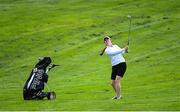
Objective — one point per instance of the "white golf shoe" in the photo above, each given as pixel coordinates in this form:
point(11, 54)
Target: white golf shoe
point(117, 97)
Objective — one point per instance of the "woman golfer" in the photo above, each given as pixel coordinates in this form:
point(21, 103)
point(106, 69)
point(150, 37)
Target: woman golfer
point(118, 64)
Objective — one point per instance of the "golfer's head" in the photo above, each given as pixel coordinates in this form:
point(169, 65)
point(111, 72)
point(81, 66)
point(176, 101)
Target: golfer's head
point(107, 40)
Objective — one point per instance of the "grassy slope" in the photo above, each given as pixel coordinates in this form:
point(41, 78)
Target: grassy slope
point(71, 33)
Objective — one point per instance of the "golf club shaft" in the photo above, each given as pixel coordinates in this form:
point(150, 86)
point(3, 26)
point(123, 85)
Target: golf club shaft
point(129, 32)
point(47, 86)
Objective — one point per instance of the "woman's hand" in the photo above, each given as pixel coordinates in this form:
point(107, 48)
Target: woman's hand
point(126, 49)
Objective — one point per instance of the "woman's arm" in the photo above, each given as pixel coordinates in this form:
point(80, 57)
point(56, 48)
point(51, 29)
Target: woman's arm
point(118, 51)
point(112, 53)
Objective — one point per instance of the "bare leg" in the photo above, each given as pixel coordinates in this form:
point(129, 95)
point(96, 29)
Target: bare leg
point(118, 86)
point(114, 85)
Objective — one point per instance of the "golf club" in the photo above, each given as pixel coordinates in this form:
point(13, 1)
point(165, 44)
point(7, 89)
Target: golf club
point(129, 16)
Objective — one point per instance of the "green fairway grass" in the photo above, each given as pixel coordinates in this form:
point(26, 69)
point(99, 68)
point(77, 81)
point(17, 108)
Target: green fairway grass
point(71, 32)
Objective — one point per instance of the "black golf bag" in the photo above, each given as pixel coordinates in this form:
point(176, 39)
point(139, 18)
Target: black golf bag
point(34, 86)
